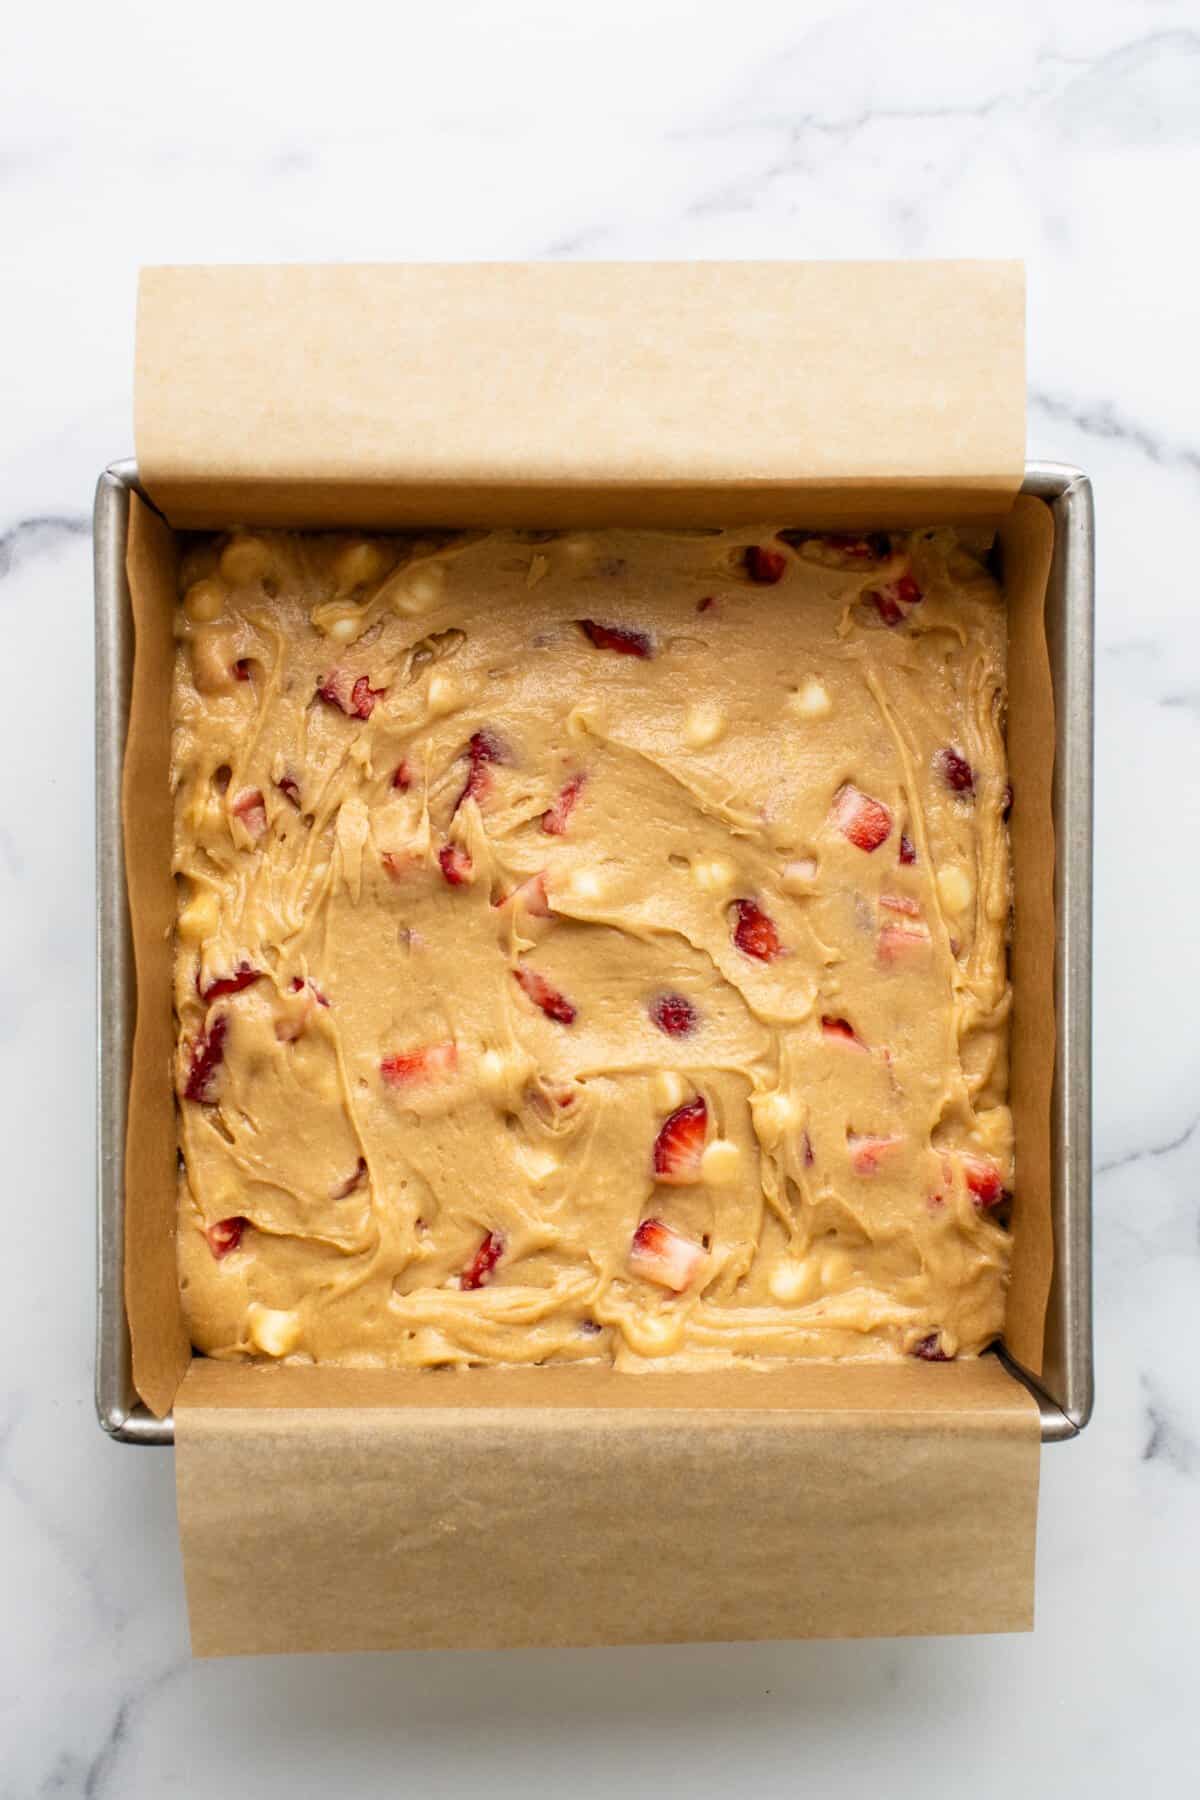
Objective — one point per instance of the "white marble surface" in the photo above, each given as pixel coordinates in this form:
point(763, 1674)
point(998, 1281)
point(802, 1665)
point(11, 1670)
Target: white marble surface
point(1070, 135)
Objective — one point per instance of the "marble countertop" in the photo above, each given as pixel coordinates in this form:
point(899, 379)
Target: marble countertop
point(1070, 136)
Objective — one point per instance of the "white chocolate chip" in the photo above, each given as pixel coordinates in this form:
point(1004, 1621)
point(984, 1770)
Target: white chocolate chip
point(720, 1162)
point(669, 1089)
point(442, 695)
point(654, 1334)
point(539, 1165)
point(836, 1268)
point(798, 875)
point(199, 918)
point(954, 888)
point(247, 559)
point(704, 724)
point(358, 564)
point(493, 1072)
point(792, 1280)
point(419, 591)
point(811, 700)
point(586, 884)
point(716, 874)
point(774, 1113)
point(273, 1332)
point(344, 630)
point(204, 601)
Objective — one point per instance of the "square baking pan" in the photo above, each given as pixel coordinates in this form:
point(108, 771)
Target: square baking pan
point(1065, 1386)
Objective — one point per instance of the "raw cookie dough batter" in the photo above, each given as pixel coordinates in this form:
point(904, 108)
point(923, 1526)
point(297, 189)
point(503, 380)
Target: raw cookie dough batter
point(591, 946)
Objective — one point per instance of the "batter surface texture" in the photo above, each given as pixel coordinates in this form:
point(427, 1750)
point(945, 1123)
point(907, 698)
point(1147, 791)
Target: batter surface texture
point(591, 945)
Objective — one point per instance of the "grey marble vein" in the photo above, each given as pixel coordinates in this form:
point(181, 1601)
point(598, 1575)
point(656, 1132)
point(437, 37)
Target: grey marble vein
point(1147, 1152)
point(45, 531)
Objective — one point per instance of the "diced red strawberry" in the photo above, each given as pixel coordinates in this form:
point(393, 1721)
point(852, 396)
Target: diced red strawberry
point(840, 549)
point(226, 1235)
point(867, 1152)
point(679, 1145)
point(243, 977)
point(356, 699)
point(456, 865)
point(352, 1181)
point(241, 668)
point(908, 852)
point(289, 787)
point(763, 564)
point(901, 903)
point(664, 1256)
point(984, 1180)
point(708, 601)
point(478, 1271)
point(298, 982)
point(955, 771)
point(251, 809)
point(399, 864)
point(531, 895)
point(483, 749)
point(864, 821)
point(930, 1349)
point(840, 1031)
point(428, 1062)
point(208, 1053)
point(620, 638)
point(674, 1014)
point(554, 819)
point(555, 1005)
point(402, 779)
point(893, 598)
point(902, 943)
point(754, 931)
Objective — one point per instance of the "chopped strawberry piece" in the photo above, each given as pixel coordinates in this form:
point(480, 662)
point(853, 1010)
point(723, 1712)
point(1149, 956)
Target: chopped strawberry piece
point(902, 943)
point(901, 903)
point(840, 1031)
point(708, 601)
point(226, 1235)
point(428, 1062)
point(679, 1145)
point(841, 548)
point(289, 787)
point(955, 771)
point(893, 597)
point(241, 668)
point(864, 821)
point(555, 1005)
point(208, 1053)
point(251, 809)
point(531, 895)
point(297, 983)
point(930, 1349)
point(456, 865)
point(483, 749)
point(402, 779)
point(554, 819)
point(352, 1181)
point(243, 977)
point(398, 864)
point(674, 1014)
point(754, 931)
point(617, 637)
point(867, 1152)
point(908, 851)
point(478, 1271)
point(357, 700)
point(984, 1180)
point(764, 565)
point(664, 1256)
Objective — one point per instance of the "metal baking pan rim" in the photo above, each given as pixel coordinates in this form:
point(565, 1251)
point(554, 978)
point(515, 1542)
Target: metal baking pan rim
point(1064, 1391)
